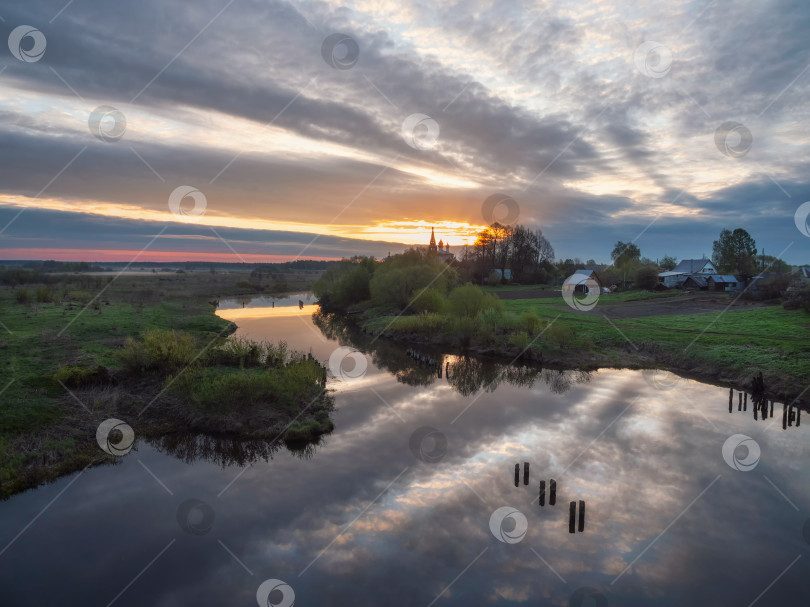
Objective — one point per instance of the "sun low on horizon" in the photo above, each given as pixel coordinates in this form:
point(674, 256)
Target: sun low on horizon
point(357, 136)
point(404, 303)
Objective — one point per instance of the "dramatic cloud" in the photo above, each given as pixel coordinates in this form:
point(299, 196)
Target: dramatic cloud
point(600, 120)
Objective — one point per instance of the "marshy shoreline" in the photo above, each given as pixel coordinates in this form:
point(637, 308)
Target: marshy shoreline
point(152, 353)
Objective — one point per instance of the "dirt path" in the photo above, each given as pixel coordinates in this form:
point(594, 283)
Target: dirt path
point(665, 306)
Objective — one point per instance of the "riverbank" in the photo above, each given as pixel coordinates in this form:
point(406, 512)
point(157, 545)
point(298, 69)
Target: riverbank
point(150, 351)
point(700, 337)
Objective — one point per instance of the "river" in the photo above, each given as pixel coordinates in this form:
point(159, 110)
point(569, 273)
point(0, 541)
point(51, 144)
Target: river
point(412, 499)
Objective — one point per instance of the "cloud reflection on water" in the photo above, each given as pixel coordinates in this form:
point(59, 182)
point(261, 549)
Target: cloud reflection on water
point(637, 456)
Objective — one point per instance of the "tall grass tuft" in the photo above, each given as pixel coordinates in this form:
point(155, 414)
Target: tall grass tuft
point(246, 353)
point(158, 350)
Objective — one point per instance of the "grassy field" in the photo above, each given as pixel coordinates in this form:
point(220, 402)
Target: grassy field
point(76, 330)
point(727, 347)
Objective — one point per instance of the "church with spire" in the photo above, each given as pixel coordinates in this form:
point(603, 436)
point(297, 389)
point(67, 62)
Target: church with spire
point(442, 250)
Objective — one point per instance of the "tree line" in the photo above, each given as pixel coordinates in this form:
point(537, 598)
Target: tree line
point(526, 252)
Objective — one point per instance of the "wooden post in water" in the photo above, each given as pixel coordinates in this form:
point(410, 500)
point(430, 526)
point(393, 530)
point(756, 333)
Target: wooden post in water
point(745, 401)
point(542, 498)
point(517, 475)
point(552, 498)
point(730, 398)
point(581, 516)
point(525, 473)
point(572, 515)
point(739, 401)
point(784, 416)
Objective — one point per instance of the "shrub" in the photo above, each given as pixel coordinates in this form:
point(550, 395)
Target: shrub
point(647, 277)
point(44, 295)
point(158, 349)
point(559, 334)
point(532, 322)
point(222, 391)
point(399, 277)
point(79, 376)
point(428, 300)
point(423, 324)
point(469, 300)
point(488, 322)
point(345, 283)
point(520, 340)
point(22, 296)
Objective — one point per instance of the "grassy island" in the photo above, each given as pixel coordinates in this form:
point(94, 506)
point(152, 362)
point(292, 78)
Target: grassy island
point(78, 349)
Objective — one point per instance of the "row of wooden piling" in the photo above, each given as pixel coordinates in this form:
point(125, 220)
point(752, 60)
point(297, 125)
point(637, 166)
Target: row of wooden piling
point(572, 517)
point(763, 408)
point(576, 517)
point(428, 361)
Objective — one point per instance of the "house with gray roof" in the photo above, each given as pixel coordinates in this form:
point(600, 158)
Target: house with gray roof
point(696, 266)
point(676, 278)
point(722, 282)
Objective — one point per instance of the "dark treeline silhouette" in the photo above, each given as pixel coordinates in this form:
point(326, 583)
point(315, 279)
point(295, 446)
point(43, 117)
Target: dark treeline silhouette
point(227, 451)
point(526, 252)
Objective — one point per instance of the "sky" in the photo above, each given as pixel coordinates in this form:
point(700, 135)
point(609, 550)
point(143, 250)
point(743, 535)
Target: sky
point(260, 130)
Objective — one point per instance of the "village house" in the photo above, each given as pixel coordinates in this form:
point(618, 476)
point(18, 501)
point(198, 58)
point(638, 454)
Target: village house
point(698, 270)
point(722, 282)
point(580, 279)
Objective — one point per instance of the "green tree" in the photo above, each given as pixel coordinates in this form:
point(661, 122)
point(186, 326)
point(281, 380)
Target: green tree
point(667, 263)
point(735, 253)
point(401, 277)
point(769, 263)
point(345, 283)
point(625, 254)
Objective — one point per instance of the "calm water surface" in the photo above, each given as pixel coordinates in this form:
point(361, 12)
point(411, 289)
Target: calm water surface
point(368, 518)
